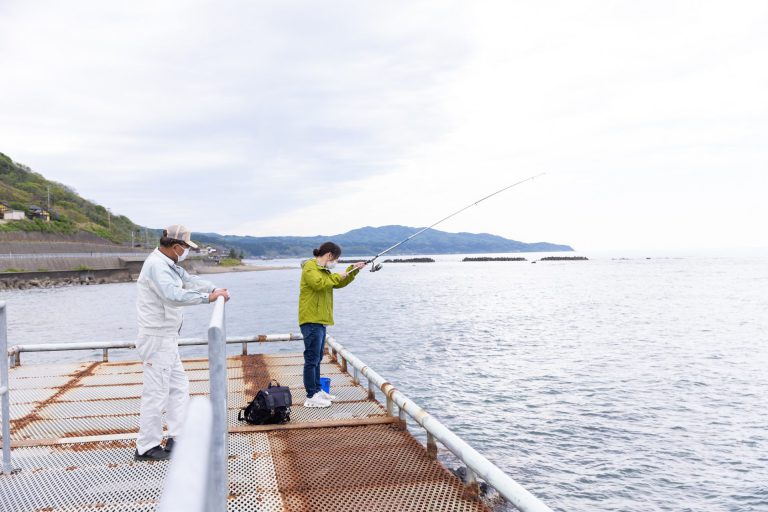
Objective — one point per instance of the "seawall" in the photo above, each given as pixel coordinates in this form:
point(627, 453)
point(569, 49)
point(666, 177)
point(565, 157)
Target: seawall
point(76, 261)
point(21, 242)
point(76, 269)
point(27, 280)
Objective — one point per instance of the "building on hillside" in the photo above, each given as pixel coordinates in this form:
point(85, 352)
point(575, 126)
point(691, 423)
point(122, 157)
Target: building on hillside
point(9, 214)
point(3, 208)
point(35, 212)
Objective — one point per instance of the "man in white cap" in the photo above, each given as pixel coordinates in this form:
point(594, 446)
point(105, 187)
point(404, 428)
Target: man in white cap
point(164, 287)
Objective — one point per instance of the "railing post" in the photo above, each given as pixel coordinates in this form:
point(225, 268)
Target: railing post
point(105, 356)
point(5, 398)
point(371, 390)
point(355, 376)
point(431, 445)
point(470, 483)
point(218, 487)
point(245, 348)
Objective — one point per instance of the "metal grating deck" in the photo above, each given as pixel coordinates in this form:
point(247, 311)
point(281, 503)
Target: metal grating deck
point(73, 427)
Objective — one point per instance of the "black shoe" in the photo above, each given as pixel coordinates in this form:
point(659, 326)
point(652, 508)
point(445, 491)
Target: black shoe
point(156, 453)
point(169, 444)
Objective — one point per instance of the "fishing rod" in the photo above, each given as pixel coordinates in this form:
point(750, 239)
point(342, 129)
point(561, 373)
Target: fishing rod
point(377, 266)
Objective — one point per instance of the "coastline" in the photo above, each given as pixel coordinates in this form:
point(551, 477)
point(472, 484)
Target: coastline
point(24, 280)
point(206, 269)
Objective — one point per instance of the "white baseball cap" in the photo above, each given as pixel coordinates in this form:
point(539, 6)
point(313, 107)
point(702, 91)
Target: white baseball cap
point(181, 233)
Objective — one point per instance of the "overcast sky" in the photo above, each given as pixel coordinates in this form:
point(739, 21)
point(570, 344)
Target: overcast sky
point(301, 118)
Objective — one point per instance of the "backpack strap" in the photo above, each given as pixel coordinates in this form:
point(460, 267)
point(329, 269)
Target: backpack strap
point(270, 400)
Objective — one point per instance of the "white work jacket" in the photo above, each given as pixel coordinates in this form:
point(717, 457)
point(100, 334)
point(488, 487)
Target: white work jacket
point(164, 288)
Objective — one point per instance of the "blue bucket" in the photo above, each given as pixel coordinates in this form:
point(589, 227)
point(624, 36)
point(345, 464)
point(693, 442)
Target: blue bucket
point(325, 384)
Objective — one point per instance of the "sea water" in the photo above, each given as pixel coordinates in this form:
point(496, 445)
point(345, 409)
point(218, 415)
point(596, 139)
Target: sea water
point(618, 383)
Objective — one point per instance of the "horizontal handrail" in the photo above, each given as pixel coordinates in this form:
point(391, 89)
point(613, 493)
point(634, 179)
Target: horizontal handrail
point(482, 467)
point(95, 345)
point(15, 351)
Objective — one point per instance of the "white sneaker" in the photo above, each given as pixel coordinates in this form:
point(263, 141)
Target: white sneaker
point(317, 401)
point(327, 396)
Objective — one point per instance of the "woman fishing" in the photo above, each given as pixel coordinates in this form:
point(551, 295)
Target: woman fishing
point(316, 312)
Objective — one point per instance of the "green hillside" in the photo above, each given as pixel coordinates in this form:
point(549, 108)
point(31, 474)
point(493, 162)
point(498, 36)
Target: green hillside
point(22, 188)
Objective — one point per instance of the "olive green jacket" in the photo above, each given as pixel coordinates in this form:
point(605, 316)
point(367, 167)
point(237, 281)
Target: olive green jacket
point(316, 292)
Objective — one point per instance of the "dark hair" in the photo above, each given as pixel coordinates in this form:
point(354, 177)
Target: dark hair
point(328, 247)
point(166, 241)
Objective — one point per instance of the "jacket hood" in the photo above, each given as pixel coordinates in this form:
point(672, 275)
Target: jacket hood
point(314, 262)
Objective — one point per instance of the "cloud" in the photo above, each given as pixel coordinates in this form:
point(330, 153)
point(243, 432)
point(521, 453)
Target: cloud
point(294, 118)
point(264, 100)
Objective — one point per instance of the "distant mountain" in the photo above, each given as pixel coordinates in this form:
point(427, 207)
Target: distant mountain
point(23, 189)
point(370, 241)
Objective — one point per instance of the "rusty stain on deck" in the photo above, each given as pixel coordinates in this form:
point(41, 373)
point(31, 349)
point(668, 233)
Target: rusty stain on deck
point(24, 421)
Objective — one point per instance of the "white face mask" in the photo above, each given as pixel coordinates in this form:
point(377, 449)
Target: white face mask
point(330, 264)
point(183, 255)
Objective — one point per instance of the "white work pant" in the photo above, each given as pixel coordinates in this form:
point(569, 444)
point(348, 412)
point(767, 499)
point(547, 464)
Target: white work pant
point(166, 389)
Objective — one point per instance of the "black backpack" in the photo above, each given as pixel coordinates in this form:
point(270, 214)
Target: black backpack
point(271, 406)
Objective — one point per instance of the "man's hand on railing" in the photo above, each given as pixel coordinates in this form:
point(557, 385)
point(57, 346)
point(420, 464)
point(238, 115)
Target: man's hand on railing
point(218, 292)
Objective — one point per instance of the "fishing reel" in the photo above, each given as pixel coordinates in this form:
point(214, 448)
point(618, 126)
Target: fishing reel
point(375, 267)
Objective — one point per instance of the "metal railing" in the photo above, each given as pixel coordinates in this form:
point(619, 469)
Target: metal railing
point(476, 464)
point(197, 479)
point(186, 484)
point(217, 486)
point(15, 351)
point(215, 439)
point(7, 466)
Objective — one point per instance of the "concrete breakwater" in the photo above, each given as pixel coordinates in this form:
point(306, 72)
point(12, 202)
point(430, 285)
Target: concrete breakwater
point(21, 272)
point(410, 260)
point(503, 258)
point(71, 261)
point(564, 258)
point(121, 269)
point(53, 279)
point(396, 260)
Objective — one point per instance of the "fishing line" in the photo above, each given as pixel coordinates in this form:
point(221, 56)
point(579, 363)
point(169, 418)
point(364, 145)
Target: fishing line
point(377, 266)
